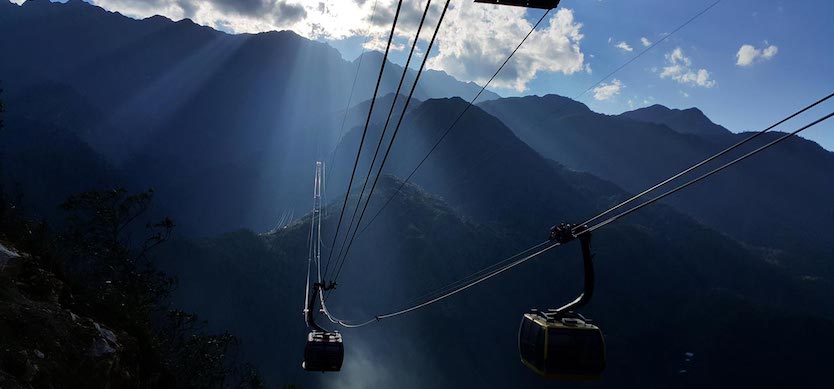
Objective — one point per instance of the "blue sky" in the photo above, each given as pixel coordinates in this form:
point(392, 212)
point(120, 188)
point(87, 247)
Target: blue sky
point(791, 42)
point(742, 98)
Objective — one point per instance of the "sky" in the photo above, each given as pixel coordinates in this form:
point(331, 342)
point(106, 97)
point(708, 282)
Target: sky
point(745, 63)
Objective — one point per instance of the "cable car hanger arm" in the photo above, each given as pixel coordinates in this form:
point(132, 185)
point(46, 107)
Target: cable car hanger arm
point(311, 319)
point(564, 233)
point(541, 4)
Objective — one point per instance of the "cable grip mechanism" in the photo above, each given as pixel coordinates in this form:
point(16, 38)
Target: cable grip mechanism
point(566, 232)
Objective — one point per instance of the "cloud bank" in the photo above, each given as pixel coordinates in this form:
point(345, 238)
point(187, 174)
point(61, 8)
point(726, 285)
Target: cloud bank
point(472, 43)
point(476, 39)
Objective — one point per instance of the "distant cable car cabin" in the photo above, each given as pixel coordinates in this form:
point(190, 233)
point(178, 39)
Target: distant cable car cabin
point(560, 343)
point(542, 4)
point(325, 350)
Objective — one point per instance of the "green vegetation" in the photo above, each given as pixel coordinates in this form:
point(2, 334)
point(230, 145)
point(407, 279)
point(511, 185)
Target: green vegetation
point(87, 278)
point(84, 306)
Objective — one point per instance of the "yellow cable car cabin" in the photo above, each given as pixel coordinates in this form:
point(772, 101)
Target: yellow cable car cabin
point(542, 4)
point(561, 343)
point(562, 347)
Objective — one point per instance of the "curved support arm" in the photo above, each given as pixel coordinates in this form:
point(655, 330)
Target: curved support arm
point(587, 259)
point(311, 319)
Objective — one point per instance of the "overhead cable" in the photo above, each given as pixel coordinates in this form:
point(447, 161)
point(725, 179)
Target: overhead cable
point(364, 132)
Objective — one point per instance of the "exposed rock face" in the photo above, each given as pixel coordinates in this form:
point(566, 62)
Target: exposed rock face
point(47, 345)
point(5, 255)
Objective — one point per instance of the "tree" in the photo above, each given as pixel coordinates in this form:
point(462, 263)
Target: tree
point(199, 360)
point(112, 271)
point(124, 285)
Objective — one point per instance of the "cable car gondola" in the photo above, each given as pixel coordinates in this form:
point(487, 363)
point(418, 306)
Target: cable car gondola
point(542, 4)
point(325, 350)
point(560, 343)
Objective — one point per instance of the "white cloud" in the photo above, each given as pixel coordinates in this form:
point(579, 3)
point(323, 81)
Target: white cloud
point(770, 52)
point(624, 46)
point(606, 91)
point(470, 48)
point(749, 54)
point(645, 41)
point(746, 54)
point(679, 68)
point(473, 41)
point(378, 43)
point(324, 20)
point(315, 20)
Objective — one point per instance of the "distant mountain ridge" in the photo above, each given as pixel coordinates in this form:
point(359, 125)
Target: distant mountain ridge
point(759, 201)
point(688, 121)
point(77, 13)
point(153, 94)
point(433, 83)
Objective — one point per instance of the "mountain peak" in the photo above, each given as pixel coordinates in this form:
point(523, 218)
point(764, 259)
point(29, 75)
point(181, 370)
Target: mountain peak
point(686, 121)
point(694, 110)
point(440, 83)
point(372, 55)
point(565, 100)
point(48, 3)
point(656, 108)
point(547, 107)
point(36, 3)
point(77, 3)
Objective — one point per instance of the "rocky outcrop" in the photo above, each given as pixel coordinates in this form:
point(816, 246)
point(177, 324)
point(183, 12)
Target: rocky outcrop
point(44, 344)
point(5, 255)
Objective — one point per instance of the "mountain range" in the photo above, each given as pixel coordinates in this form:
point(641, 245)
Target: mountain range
point(782, 188)
point(160, 93)
point(719, 286)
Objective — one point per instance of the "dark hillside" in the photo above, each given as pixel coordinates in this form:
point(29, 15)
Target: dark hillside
point(153, 94)
point(654, 286)
point(481, 169)
point(40, 162)
point(81, 306)
point(782, 188)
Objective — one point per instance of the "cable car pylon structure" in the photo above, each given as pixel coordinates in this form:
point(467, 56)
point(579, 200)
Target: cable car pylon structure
point(324, 350)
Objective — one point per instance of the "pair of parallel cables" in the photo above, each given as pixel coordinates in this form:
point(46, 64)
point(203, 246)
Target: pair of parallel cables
point(543, 247)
